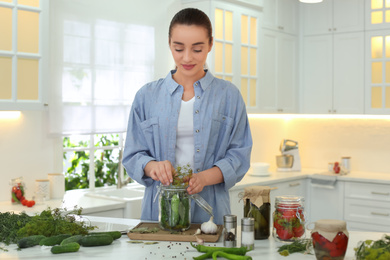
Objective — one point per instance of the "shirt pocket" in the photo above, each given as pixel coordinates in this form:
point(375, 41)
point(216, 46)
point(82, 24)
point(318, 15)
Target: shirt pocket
point(221, 129)
point(150, 130)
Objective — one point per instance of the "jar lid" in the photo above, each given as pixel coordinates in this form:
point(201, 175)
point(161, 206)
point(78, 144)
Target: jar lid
point(230, 218)
point(202, 203)
point(247, 221)
point(289, 201)
point(330, 225)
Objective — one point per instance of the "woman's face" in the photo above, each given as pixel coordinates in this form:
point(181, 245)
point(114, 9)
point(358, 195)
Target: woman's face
point(189, 45)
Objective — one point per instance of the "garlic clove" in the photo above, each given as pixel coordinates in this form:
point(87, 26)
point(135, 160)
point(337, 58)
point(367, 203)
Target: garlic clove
point(199, 241)
point(198, 232)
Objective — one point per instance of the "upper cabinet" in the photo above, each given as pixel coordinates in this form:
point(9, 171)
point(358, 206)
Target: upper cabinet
point(23, 54)
point(377, 14)
point(281, 15)
point(333, 16)
point(235, 55)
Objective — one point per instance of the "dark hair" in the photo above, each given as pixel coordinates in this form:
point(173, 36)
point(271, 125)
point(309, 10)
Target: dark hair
point(192, 16)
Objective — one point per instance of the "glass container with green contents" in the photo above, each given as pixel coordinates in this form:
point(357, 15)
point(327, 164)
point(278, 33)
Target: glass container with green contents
point(257, 205)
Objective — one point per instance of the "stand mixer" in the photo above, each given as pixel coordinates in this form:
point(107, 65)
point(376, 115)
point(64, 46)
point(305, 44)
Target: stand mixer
point(290, 159)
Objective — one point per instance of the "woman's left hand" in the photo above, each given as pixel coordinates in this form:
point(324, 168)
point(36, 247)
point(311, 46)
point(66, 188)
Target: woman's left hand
point(197, 183)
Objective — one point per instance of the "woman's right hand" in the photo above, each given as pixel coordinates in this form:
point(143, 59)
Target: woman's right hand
point(160, 171)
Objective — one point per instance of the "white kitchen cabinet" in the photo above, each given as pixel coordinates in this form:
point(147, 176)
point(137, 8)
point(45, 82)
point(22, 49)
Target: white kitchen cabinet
point(333, 16)
point(367, 206)
point(278, 67)
point(333, 74)
point(115, 213)
point(377, 14)
point(281, 15)
point(235, 54)
point(326, 201)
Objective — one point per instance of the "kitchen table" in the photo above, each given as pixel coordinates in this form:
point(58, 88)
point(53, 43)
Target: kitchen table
point(121, 249)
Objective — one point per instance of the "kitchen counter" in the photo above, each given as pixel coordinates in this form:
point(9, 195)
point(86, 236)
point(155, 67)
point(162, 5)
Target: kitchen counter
point(121, 249)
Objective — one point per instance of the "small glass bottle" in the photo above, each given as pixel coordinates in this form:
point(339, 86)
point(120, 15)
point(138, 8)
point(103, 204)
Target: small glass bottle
point(330, 239)
point(229, 230)
point(247, 233)
point(17, 190)
point(289, 218)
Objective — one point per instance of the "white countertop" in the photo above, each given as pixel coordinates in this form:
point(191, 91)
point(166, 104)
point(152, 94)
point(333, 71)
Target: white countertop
point(120, 249)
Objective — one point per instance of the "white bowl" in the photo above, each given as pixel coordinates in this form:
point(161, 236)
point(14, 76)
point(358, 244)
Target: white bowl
point(260, 167)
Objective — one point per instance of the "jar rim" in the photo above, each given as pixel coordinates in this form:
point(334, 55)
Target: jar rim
point(330, 225)
point(289, 201)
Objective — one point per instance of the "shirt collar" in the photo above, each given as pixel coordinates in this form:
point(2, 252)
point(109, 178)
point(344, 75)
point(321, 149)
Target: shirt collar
point(172, 85)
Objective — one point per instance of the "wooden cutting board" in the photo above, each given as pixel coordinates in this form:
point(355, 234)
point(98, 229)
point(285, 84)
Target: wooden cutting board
point(163, 235)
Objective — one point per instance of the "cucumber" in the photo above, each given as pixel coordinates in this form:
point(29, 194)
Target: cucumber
point(75, 238)
point(114, 234)
point(175, 202)
point(96, 240)
point(70, 247)
point(54, 240)
point(30, 241)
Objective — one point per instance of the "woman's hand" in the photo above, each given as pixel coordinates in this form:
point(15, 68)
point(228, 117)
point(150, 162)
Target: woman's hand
point(160, 171)
point(197, 183)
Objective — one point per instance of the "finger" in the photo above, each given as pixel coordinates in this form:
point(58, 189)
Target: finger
point(162, 174)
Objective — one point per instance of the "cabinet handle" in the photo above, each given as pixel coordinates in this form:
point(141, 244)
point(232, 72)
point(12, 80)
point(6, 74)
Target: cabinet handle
point(280, 110)
point(330, 111)
point(380, 214)
point(334, 111)
point(334, 29)
point(294, 184)
point(380, 193)
point(330, 29)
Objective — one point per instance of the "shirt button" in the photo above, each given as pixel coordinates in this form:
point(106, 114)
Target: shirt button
point(197, 111)
point(197, 150)
point(196, 84)
point(198, 97)
point(223, 118)
point(198, 170)
point(197, 130)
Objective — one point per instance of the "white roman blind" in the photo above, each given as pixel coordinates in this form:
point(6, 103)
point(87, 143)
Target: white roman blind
point(100, 58)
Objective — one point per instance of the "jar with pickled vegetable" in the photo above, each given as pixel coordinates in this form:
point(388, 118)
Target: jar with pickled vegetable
point(257, 206)
point(174, 208)
point(330, 239)
point(17, 190)
point(289, 218)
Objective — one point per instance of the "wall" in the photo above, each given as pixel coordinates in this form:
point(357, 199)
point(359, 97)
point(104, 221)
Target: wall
point(321, 141)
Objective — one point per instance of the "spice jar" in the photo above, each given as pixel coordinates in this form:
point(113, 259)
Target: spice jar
point(330, 239)
point(257, 205)
point(174, 208)
point(17, 190)
point(247, 233)
point(229, 230)
point(288, 218)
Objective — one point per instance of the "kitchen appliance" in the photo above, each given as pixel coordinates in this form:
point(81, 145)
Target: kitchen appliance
point(289, 160)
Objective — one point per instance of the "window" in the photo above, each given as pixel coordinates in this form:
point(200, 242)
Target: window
point(21, 54)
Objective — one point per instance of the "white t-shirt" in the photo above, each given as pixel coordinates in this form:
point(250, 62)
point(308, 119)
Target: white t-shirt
point(185, 134)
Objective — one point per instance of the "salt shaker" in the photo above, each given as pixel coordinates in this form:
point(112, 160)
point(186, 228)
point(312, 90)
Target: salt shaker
point(248, 233)
point(229, 230)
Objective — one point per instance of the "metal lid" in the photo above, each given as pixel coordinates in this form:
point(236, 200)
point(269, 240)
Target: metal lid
point(247, 221)
point(230, 218)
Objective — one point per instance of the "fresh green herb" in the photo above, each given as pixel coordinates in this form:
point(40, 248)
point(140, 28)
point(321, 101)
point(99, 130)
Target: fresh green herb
point(369, 249)
point(297, 246)
point(10, 223)
point(3, 249)
point(55, 222)
point(182, 175)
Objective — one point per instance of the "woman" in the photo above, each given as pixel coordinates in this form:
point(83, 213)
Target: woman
point(189, 117)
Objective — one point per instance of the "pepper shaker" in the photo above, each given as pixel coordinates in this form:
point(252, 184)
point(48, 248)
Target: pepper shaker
point(247, 233)
point(229, 230)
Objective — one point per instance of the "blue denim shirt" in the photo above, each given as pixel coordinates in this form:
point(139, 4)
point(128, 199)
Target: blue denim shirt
point(222, 138)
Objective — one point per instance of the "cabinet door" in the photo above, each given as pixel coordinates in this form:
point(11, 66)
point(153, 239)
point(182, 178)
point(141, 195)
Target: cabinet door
point(348, 15)
point(287, 73)
point(297, 188)
point(317, 18)
point(348, 73)
point(377, 14)
point(317, 74)
point(281, 15)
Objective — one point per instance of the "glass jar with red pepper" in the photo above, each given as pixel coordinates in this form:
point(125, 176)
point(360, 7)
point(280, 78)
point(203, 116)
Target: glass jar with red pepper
point(17, 190)
point(330, 239)
point(289, 218)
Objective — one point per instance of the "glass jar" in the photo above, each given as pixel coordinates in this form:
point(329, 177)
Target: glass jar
point(288, 218)
point(247, 233)
point(229, 230)
point(17, 190)
point(262, 217)
point(330, 239)
point(174, 208)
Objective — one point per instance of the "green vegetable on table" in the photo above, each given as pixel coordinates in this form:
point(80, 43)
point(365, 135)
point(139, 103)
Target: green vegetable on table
point(30, 241)
point(297, 246)
point(75, 238)
point(54, 240)
point(10, 224)
point(209, 250)
point(96, 240)
point(369, 249)
point(68, 248)
point(230, 256)
point(114, 234)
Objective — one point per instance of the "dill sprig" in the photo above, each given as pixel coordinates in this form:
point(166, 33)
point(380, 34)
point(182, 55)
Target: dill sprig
point(10, 223)
point(297, 246)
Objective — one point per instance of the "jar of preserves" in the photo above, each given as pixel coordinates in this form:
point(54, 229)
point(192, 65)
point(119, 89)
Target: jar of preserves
point(289, 218)
point(330, 239)
point(17, 190)
point(174, 208)
point(257, 206)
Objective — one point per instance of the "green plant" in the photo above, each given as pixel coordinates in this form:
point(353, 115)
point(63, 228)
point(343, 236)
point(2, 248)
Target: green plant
point(106, 162)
